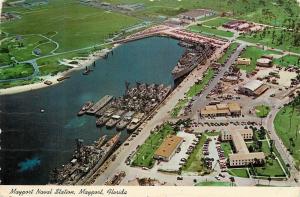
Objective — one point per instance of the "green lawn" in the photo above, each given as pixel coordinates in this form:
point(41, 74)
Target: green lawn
point(213, 133)
point(226, 147)
point(253, 53)
point(16, 71)
point(280, 39)
point(144, 155)
point(286, 124)
point(211, 183)
point(210, 31)
point(288, 60)
point(193, 91)
point(4, 85)
point(21, 50)
point(198, 87)
point(77, 25)
point(194, 162)
point(178, 107)
point(262, 111)
point(46, 48)
point(53, 69)
point(272, 167)
point(229, 51)
point(217, 22)
point(239, 172)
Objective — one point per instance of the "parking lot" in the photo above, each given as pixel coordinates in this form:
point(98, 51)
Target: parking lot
point(179, 158)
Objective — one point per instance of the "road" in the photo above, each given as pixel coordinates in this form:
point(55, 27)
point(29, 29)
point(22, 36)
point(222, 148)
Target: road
point(201, 100)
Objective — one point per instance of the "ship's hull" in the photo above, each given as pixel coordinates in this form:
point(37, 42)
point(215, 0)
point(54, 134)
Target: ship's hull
point(182, 72)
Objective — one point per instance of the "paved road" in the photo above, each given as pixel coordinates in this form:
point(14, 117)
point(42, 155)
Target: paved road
point(201, 101)
point(285, 155)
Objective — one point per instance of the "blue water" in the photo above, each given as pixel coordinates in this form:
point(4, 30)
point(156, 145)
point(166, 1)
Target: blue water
point(33, 143)
point(29, 164)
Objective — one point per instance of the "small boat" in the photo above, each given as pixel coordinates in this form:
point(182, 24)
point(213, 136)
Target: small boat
point(125, 121)
point(135, 122)
point(63, 78)
point(87, 71)
point(85, 107)
point(106, 116)
point(115, 119)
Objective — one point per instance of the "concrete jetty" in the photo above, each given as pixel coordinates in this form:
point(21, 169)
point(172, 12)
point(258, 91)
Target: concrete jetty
point(100, 104)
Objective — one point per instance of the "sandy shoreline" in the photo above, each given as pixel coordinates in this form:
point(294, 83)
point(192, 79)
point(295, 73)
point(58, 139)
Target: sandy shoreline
point(82, 63)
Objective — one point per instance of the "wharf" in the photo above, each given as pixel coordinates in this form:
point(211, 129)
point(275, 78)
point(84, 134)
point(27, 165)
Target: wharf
point(100, 104)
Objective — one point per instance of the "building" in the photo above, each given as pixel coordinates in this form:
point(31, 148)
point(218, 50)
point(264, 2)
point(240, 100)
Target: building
point(243, 61)
point(264, 62)
point(222, 109)
point(245, 133)
point(253, 88)
point(242, 156)
point(197, 14)
point(167, 149)
point(245, 159)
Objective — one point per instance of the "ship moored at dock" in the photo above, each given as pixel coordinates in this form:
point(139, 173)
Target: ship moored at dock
point(115, 118)
point(100, 104)
point(86, 160)
point(140, 100)
point(135, 122)
point(125, 120)
point(195, 54)
point(85, 107)
point(106, 116)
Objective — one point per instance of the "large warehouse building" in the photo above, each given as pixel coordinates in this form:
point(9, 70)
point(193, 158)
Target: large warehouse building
point(168, 147)
point(253, 88)
point(197, 14)
point(229, 109)
point(242, 156)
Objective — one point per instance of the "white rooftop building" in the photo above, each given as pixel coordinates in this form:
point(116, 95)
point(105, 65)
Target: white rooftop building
point(253, 88)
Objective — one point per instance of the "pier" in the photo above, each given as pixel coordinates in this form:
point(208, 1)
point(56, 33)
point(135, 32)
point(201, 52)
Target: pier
point(100, 104)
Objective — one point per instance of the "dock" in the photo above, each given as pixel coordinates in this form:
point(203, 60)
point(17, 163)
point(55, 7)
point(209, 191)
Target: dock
point(100, 104)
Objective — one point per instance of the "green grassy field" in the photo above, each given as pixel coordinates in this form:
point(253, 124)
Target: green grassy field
point(275, 13)
point(287, 127)
point(21, 49)
point(217, 22)
point(239, 172)
point(262, 111)
point(16, 71)
point(198, 87)
point(228, 52)
point(254, 10)
point(226, 147)
point(193, 91)
point(178, 107)
point(194, 162)
point(211, 183)
point(4, 85)
point(288, 60)
point(46, 48)
point(253, 53)
point(272, 167)
point(144, 155)
point(77, 26)
point(210, 31)
point(276, 38)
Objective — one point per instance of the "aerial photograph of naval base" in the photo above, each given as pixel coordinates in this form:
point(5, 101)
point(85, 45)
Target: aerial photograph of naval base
point(150, 92)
